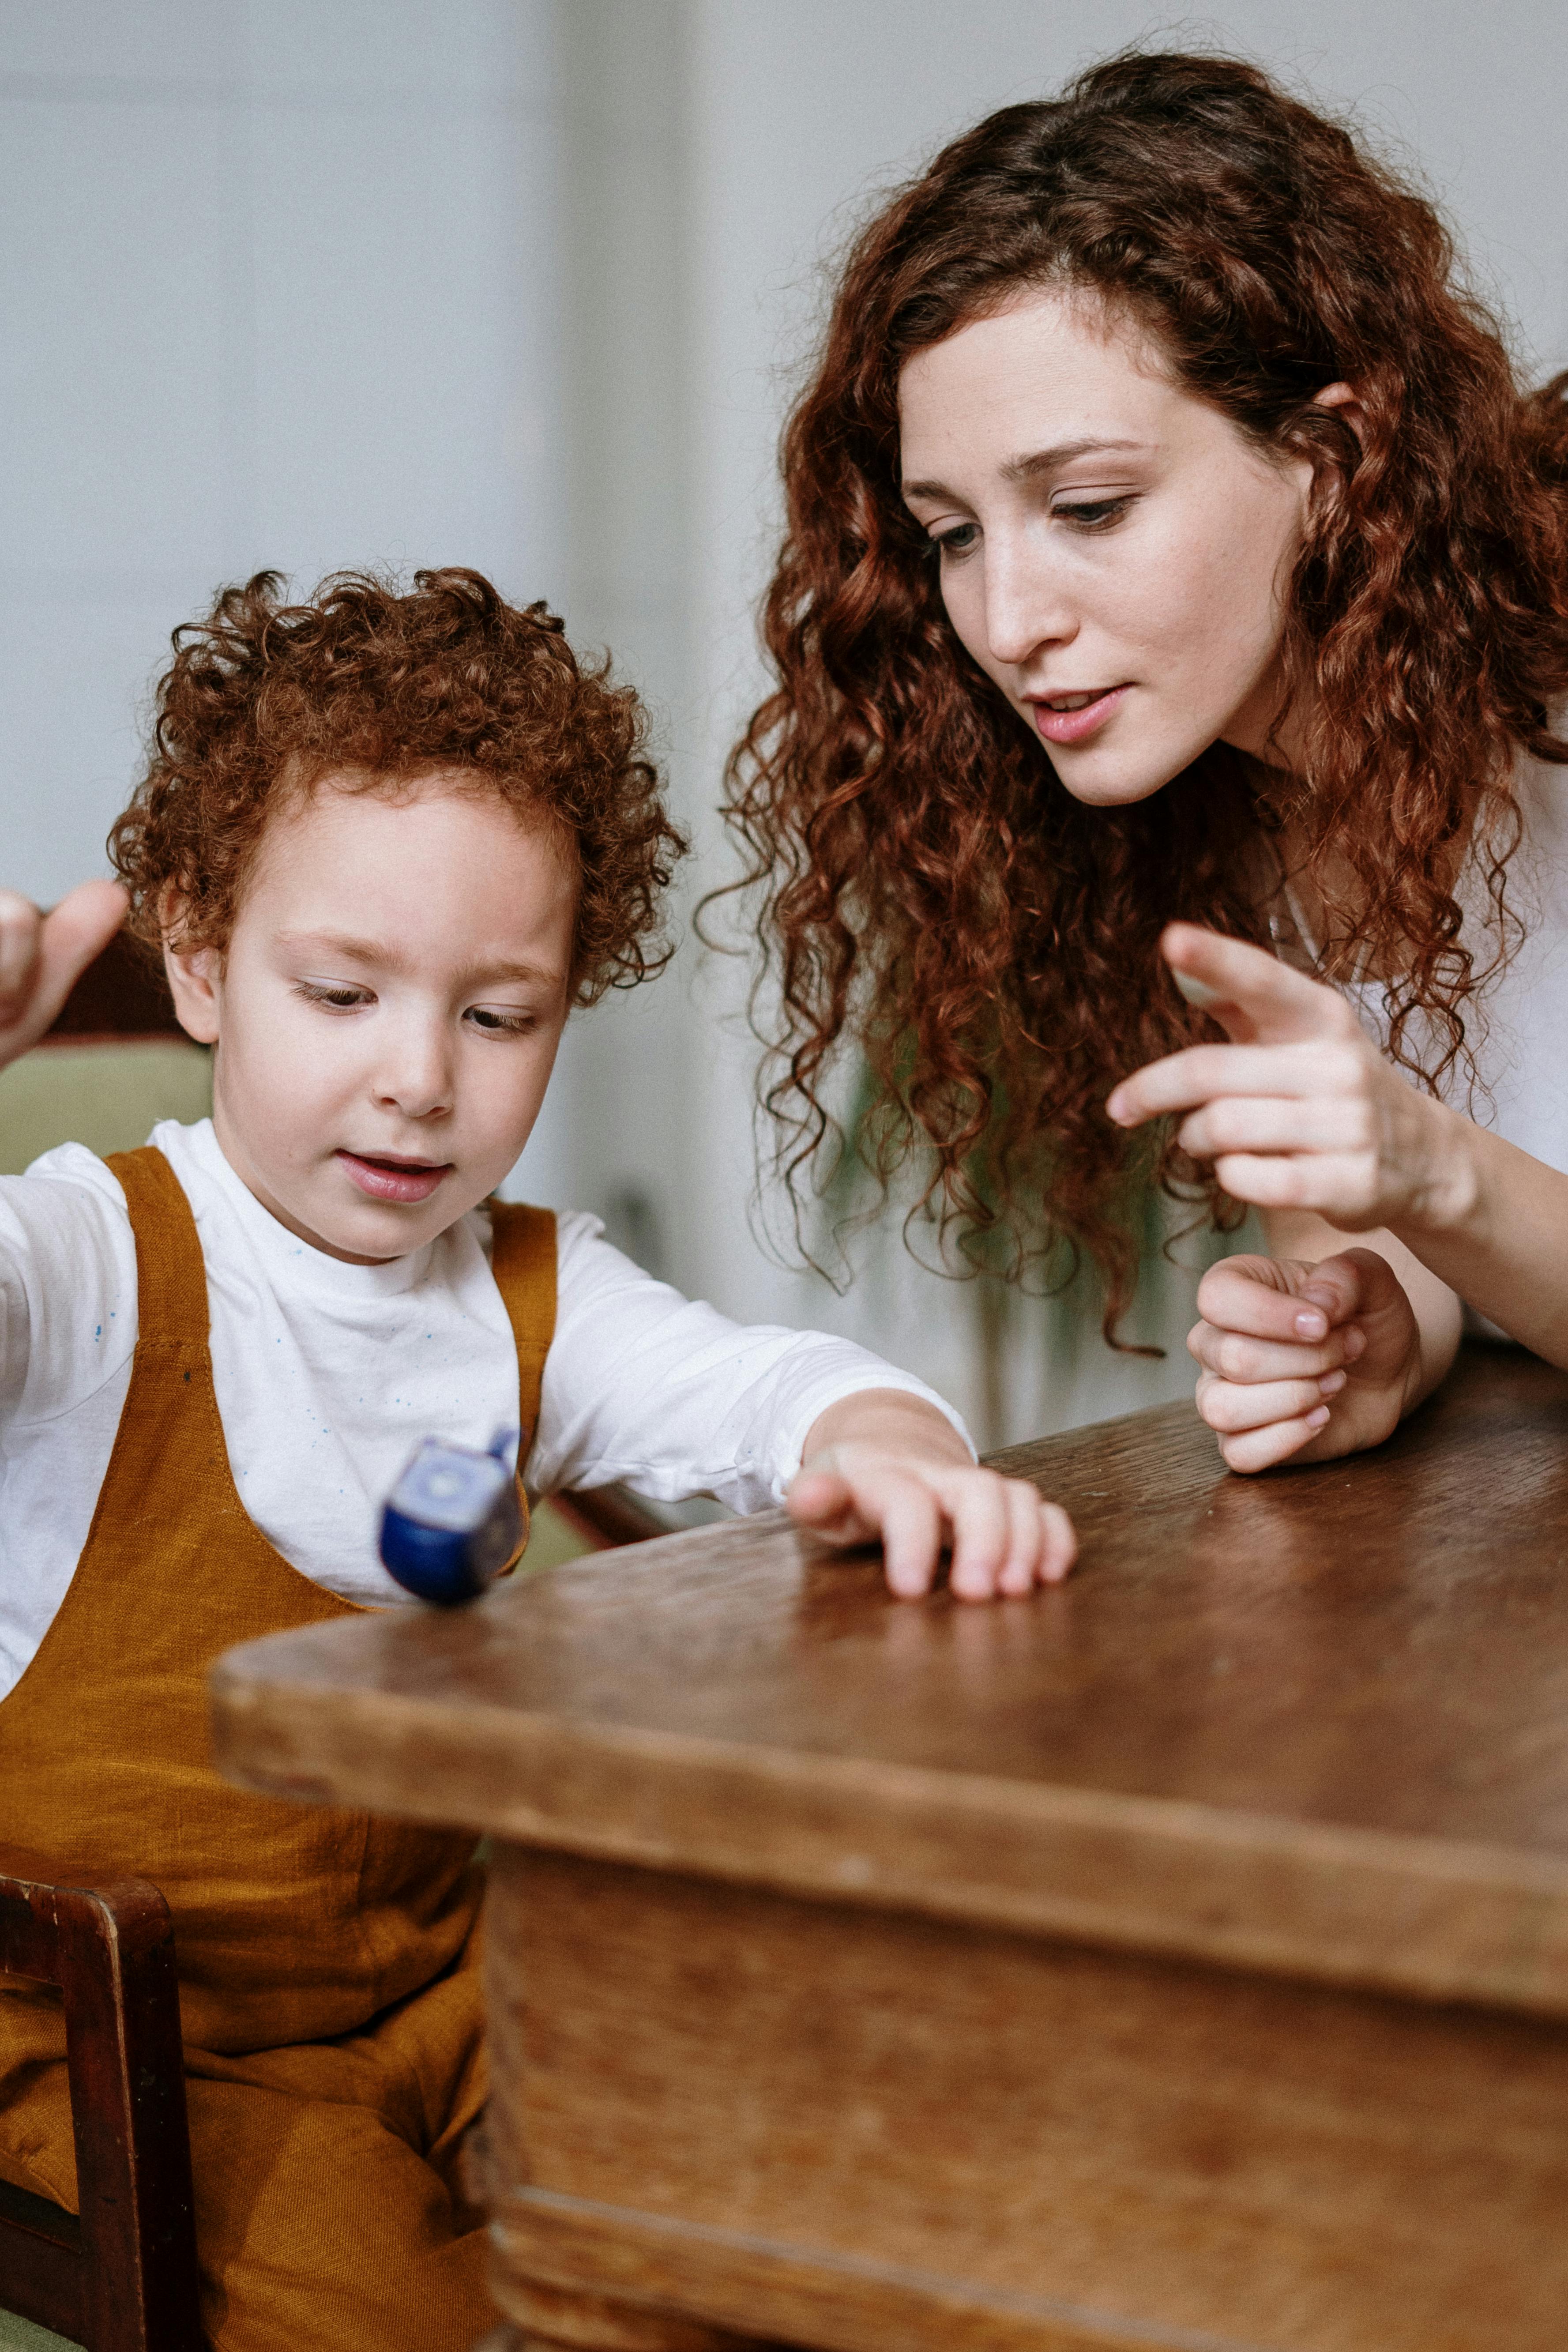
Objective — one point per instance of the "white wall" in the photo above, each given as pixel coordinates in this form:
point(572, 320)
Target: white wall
point(279, 284)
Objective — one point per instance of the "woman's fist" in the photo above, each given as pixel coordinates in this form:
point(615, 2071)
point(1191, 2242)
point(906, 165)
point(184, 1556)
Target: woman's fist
point(1304, 1362)
point(43, 956)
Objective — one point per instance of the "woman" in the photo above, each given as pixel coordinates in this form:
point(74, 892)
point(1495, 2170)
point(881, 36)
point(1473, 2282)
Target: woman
point(1168, 537)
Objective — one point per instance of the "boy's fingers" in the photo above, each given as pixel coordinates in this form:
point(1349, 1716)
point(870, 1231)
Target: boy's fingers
point(909, 1517)
point(822, 1501)
point(982, 1534)
point(1230, 1410)
point(21, 926)
point(1060, 1543)
point(1248, 988)
point(1025, 1539)
point(42, 957)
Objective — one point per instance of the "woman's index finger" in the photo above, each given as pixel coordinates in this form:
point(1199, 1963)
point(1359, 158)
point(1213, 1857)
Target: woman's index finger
point(1277, 1003)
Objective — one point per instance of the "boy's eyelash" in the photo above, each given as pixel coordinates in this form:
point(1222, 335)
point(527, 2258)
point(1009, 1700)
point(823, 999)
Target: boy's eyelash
point(500, 1024)
point(484, 1018)
point(341, 1000)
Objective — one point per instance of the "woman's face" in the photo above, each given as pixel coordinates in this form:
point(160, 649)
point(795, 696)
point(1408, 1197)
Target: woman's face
point(1113, 552)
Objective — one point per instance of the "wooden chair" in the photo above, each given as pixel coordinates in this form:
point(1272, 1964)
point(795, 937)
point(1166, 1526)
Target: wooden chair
point(123, 2277)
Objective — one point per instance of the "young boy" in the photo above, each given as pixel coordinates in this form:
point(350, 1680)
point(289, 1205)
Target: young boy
point(386, 842)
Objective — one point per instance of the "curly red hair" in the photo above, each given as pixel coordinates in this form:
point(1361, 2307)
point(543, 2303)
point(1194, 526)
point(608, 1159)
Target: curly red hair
point(266, 699)
point(990, 942)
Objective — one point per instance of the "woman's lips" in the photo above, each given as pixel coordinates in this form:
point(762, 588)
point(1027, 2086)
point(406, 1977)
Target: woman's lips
point(1072, 726)
point(390, 1180)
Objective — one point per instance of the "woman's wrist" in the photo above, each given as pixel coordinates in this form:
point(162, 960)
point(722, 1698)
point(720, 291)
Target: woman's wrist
point(1448, 1201)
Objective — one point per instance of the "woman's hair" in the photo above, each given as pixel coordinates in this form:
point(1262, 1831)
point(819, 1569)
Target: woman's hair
point(931, 891)
point(264, 701)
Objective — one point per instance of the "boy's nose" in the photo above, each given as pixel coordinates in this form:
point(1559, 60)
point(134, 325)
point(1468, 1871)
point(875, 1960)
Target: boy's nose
point(416, 1080)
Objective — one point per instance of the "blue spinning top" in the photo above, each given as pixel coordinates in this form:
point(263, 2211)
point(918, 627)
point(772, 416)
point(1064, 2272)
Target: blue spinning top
point(452, 1521)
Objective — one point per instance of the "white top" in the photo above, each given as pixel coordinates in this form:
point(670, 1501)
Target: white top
point(1517, 1026)
point(327, 1375)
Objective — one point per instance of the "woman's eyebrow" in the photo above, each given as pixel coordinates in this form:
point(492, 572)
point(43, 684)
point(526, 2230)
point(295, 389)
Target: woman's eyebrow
point(1047, 461)
point(1029, 468)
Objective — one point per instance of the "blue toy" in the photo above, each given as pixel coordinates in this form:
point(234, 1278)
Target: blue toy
point(452, 1521)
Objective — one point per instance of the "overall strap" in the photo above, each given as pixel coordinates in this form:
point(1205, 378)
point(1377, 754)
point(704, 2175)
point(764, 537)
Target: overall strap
point(522, 1259)
point(171, 1274)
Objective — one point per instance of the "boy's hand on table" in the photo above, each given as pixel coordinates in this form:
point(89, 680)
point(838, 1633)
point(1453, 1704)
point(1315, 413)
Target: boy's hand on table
point(886, 1464)
point(43, 956)
point(1304, 1362)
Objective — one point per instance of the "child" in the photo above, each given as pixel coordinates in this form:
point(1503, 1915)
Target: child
point(1322, 1349)
point(386, 841)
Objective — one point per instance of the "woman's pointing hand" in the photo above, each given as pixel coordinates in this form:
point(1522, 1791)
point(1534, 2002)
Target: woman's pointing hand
point(1301, 1111)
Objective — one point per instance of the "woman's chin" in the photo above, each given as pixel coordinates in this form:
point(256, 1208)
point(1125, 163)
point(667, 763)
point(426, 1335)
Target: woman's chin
point(1100, 780)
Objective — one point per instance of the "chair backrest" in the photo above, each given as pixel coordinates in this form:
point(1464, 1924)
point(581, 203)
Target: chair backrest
point(121, 2276)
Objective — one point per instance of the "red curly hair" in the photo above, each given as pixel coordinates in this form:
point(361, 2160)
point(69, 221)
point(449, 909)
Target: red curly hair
point(264, 699)
point(929, 889)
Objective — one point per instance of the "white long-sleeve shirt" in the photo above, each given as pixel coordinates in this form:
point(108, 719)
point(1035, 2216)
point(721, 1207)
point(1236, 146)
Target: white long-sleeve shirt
point(327, 1375)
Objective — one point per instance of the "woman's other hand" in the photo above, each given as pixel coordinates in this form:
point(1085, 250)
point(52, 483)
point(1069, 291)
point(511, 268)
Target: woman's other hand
point(885, 1465)
point(1304, 1362)
point(43, 956)
point(1301, 1111)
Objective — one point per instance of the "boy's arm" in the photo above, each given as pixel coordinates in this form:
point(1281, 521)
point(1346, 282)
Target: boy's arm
point(665, 1393)
point(884, 1463)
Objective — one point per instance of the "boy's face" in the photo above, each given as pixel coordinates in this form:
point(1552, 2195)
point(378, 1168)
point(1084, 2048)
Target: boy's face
point(387, 1010)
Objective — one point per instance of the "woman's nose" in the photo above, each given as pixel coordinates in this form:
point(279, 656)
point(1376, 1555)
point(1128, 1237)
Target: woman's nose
point(1026, 611)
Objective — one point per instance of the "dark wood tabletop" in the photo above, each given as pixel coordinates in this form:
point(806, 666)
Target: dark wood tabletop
point(1315, 1722)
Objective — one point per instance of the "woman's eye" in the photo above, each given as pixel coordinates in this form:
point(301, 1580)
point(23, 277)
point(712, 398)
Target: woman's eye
point(1092, 514)
point(961, 540)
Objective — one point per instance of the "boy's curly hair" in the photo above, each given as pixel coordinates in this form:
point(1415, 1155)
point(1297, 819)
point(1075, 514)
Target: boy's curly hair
point(264, 697)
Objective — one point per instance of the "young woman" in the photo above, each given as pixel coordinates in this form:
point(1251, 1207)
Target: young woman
point(1168, 537)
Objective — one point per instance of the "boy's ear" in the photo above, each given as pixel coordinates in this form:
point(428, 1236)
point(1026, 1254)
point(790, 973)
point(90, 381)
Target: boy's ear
point(194, 976)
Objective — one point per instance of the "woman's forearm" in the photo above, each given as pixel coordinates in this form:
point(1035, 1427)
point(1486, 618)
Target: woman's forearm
point(1498, 1236)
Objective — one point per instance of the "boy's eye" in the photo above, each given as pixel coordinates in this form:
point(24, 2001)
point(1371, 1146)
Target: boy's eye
point(496, 1021)
point(339, 996)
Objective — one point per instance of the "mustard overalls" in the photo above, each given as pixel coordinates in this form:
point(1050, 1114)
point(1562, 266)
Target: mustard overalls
point(328, 1960)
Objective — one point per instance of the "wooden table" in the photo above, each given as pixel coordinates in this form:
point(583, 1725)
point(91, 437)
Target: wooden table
point(1179, 1958)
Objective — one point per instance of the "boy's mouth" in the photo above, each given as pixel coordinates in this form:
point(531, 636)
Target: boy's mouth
point(386, 1178)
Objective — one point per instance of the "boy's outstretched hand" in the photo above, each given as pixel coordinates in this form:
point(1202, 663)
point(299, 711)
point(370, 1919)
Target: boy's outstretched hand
point(43, 956)
point(886, 1464)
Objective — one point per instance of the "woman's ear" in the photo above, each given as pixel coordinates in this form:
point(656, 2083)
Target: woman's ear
point(1347, 403)
point(195, 974)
